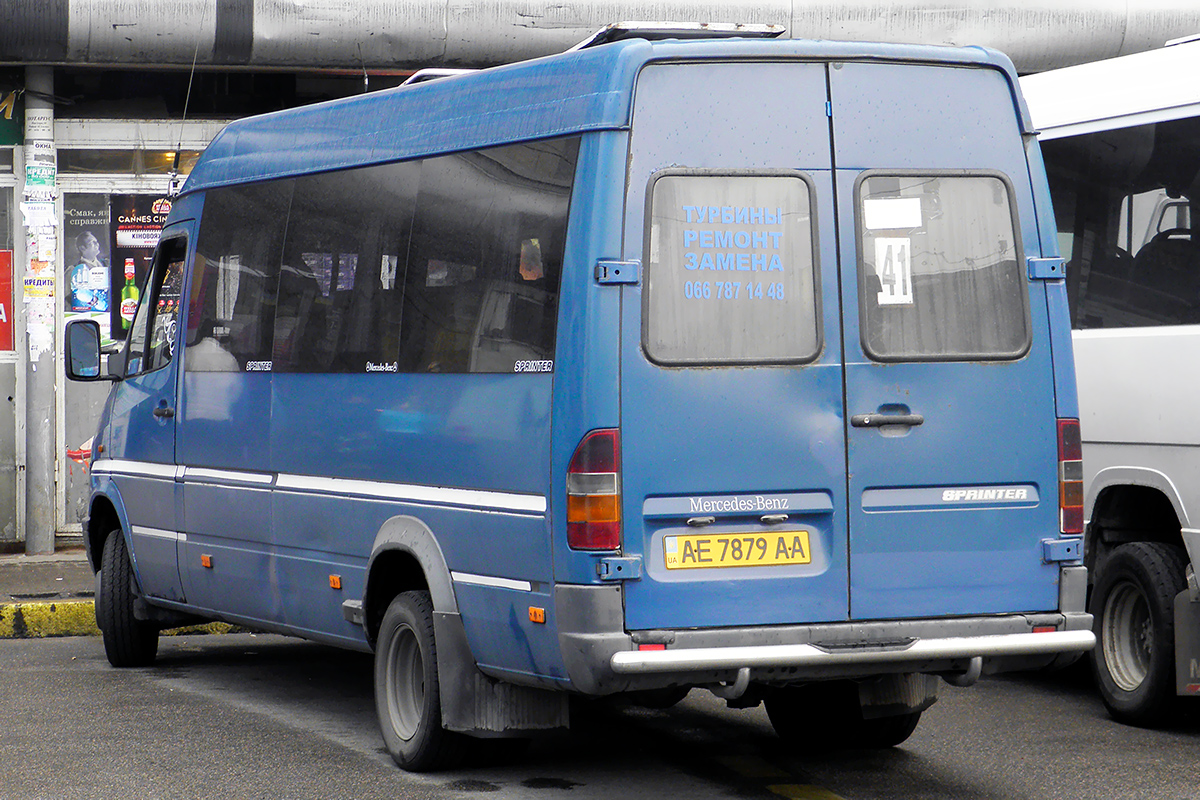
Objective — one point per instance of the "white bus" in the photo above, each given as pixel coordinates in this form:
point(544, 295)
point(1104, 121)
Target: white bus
point(1121, 142)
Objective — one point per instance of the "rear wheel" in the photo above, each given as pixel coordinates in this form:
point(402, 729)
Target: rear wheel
point(1133, 608)
point(827, 716)
point(128, 641)
point(407, 695)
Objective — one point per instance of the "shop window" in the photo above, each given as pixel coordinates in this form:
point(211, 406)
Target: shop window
point(80, 161)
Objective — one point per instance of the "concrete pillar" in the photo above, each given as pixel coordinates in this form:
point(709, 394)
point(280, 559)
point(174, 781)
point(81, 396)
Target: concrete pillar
point(41, 297)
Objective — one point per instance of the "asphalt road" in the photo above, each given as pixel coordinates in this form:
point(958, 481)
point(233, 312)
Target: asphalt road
point(242, 716)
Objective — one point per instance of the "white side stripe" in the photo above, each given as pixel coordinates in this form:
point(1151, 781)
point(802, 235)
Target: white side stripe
point(488, 580)
point(475, 498)
point(158, 533)
point(202, 475)
point(482, 499)
point(139, 469)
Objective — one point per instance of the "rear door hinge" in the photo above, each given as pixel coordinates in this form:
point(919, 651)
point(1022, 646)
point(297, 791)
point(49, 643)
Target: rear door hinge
point(619, 569)
point(1047, 269)
point(610, 272)
point(1062, 550)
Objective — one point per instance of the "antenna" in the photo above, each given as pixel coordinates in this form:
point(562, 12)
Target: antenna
point(363, 61)
point(173, 184)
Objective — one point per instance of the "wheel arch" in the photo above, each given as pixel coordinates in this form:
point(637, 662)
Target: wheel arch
point(105, 515)
point(404, 557)
point(1131, 505)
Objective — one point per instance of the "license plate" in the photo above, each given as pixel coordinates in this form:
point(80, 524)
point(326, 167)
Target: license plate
point(705, 551)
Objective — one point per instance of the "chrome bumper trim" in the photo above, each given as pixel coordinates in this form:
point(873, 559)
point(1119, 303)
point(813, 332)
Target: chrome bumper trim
point(633, 662)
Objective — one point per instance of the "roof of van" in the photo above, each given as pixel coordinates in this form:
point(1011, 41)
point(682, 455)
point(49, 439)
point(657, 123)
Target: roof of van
point(577, 91)
point(1117, 92)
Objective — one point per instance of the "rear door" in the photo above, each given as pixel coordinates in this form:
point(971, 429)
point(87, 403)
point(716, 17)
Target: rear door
point(949, 389)
point(733, 446)
point(864, 429)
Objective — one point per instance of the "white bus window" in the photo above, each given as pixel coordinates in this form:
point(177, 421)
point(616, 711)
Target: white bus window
point(1123, 200)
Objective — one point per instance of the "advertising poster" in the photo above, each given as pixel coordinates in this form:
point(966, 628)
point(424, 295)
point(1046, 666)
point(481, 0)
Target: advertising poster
point(135, 223)
point(87, 263)
point(6, 300)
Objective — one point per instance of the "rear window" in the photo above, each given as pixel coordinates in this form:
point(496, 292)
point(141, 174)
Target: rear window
point(940, 275)
point(729, 276)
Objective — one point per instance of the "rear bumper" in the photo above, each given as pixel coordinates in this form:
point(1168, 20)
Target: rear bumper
point(601, 657)
point(916, 651)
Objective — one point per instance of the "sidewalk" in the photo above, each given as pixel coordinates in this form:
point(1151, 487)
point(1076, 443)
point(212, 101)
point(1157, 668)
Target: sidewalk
point(53, 595)
point(47, 595)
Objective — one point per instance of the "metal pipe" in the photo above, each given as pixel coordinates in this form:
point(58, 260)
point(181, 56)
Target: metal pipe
point(384, 34)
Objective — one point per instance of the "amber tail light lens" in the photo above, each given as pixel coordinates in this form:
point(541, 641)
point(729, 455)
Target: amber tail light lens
point(594, 492)
point(1070, 477)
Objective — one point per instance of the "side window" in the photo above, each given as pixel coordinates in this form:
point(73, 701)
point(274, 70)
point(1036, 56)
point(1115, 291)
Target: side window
point(152, 336)
point(231, 313)
point(1123, 201)
point(940, 275)
point(730, 275)
point(340, 302)
point(482, 279)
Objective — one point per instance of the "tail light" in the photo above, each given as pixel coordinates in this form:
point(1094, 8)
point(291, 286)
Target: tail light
point(594, 492)
point(1070, 477)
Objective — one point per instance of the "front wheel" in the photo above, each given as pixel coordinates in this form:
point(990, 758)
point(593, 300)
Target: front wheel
point(1133, 608)
point(407, 695)
point(128, 641)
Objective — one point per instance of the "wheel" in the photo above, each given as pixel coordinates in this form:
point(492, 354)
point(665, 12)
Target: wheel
point(1133, 608)
point(407, 696)
point(824, 716)
point(128, 641)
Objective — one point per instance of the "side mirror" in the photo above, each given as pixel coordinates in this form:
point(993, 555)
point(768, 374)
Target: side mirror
point(83, 351)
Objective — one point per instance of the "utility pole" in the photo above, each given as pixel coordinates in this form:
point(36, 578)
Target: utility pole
point(41, 253)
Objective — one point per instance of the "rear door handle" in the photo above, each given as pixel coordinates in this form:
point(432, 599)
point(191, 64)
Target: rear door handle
point(879, 420)
point(164, 412)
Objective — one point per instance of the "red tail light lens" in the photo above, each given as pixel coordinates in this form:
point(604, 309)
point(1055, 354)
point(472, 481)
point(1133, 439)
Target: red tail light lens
point(1070, 477)
point(594, 492)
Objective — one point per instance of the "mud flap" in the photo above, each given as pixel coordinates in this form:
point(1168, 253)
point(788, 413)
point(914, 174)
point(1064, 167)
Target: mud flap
point(1187, 645)
point(474, 704)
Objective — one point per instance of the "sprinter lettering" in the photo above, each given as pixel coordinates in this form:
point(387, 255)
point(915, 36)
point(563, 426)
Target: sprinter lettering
point(968, 495)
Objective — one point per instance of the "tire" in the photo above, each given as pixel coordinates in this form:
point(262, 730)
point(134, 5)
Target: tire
point(407, 695)
point(1133, 608)
point(128, 641)
point(827, 716)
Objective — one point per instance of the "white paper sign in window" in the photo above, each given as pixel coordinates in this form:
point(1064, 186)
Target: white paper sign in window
point(894, 270)
point(892, 213)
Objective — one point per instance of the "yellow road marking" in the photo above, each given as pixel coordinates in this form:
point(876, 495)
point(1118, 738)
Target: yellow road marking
point(752, 767)
point(804, 792)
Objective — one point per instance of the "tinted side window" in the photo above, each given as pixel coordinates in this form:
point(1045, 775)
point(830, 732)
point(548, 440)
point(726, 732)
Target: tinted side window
point(940, 275)
point(482, 278)
point(235, 279)
point(730, 270)
point(1123, 203)
point(152, 335)
point(340, 299)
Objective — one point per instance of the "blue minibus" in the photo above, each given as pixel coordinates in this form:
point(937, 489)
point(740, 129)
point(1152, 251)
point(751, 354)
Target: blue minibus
point(740, 364)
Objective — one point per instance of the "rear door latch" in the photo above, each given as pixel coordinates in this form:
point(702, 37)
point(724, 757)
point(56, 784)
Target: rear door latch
point(609, 272)
point(619, 569)
point(1047, 269)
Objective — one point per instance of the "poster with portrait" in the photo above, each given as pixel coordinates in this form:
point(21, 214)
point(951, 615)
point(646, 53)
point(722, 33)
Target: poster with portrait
point(87, 263)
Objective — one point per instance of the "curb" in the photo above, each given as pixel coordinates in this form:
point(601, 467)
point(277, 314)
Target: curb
point(74, 618)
